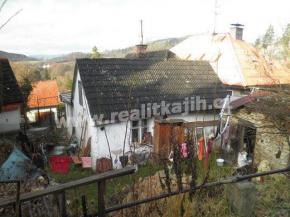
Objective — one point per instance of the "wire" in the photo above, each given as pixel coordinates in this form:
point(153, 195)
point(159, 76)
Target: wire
point(9, 19)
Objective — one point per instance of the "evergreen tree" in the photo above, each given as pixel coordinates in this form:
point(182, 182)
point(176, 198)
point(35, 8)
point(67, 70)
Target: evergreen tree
point(95, 53)
point(285, 42)
point(258, 43)
point(268, 38)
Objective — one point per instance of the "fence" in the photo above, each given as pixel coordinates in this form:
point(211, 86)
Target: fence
point(101, 184)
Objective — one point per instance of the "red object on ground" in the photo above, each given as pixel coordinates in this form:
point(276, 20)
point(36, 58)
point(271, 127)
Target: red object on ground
point(60, 164)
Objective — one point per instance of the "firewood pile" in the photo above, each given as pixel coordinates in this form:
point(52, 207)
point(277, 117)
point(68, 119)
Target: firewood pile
point(40, 207)
point(6, 146)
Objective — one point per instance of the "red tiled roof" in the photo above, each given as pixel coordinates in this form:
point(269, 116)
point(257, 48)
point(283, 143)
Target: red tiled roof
point(44, 94)
point(247, 99)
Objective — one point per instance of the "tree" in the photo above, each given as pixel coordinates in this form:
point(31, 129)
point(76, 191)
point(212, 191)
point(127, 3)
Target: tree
point(268, 38)
point(285, 42)
point(10, 18)
point(95, 53)
point(258, 43)
point(26, 88)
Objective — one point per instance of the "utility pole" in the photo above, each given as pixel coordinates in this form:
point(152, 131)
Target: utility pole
point(141, 25)
point(215, 16)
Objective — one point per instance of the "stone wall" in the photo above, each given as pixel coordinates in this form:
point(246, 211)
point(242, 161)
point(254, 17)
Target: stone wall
point(269, 140)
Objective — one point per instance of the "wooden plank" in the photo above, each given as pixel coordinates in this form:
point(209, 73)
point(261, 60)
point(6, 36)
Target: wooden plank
point(59, 188)
point(63, 204)
point(84, 206)
point(101, 199)
point(201, 124)
point(18, 203)
point(246, 123)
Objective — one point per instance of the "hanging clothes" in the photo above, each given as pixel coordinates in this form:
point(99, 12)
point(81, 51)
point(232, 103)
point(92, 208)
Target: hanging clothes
point(209, 146)
point(226, 136)
point(184, 151)
point(200, 148)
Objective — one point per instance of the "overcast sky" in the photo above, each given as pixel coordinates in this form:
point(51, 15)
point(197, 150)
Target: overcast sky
point(62, 26)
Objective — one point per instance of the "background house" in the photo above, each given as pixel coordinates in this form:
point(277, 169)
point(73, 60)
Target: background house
point(265, 141)
point(236, 62)
point(10, 99)
point(43, 102)
point(103, 87)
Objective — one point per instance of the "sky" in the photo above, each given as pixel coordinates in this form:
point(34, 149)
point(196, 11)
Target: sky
point(61, 26)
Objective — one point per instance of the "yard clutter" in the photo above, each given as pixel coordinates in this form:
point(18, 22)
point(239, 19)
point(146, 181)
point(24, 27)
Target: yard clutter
point(60, 164)
point(18, 167)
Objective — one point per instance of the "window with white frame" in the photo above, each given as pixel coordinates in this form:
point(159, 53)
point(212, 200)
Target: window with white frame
point(138, 130)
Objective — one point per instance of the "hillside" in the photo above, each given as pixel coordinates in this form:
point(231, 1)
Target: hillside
point(62, 67)
point(70, 57)
point(161, 44)
point(15, 57)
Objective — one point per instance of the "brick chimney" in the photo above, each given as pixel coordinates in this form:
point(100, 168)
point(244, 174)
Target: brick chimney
point(237, 31)
point(141, 50)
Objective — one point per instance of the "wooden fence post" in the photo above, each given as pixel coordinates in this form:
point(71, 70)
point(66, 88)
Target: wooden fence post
point(101, 198)
point(18, 203)
point(84, 206)
point(63, 204)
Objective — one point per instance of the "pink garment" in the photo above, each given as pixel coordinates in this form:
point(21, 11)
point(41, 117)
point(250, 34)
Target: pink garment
point(184, 151)
point(87, 162)
point(209, 145)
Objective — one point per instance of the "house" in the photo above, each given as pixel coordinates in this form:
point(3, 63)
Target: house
point(43, 102)
point(11, 99)
point(255, 130)
point(65, 98)
point(236, 62)
point(115, 102)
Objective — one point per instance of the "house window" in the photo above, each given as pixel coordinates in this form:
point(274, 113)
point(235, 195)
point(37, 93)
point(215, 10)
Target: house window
point(138, 130)
point(80, 93)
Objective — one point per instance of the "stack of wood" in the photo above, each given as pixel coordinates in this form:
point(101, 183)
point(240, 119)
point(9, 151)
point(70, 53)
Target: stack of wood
point(6, 147)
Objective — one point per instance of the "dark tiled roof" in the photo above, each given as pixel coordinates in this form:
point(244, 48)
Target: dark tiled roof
point(156, 55)
point(9, 89)
point(107, 82)
point(66, 97)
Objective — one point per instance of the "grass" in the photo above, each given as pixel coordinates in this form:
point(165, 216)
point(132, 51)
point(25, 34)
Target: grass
point(113, 186)
point(273, 196)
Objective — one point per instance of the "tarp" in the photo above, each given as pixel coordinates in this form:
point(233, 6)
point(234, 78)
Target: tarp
point(18, 167)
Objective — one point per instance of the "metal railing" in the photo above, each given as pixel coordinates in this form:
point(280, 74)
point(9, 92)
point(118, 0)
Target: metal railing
point(100, 179)
point(101, 184)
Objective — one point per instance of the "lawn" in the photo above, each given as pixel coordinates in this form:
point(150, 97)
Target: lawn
point(113, 187)
point(273, 196)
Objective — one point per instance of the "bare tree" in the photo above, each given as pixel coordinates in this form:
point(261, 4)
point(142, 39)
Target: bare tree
point(11, 17)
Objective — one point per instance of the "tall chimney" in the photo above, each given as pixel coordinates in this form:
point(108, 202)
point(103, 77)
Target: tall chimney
point(141, 50)
point(237, 31)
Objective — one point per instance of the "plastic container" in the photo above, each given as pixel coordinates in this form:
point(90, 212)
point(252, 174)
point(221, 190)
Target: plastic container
point(220, 162)
point(60, 164)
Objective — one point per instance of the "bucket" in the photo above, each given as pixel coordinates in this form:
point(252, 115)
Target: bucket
point(220, 162)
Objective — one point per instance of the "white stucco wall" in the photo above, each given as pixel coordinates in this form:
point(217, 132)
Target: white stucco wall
point(81, 115)
point(10, 121)
point(116, 133)
point(69, 118)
